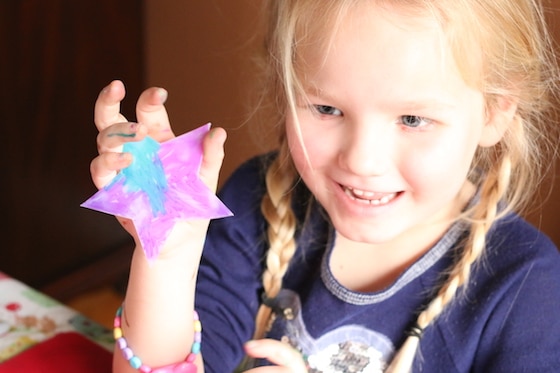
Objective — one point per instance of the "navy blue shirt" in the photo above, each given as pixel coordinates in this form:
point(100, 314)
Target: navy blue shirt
point(507, 319)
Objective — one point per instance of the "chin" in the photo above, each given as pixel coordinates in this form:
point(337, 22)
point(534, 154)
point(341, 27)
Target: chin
point(366, 234)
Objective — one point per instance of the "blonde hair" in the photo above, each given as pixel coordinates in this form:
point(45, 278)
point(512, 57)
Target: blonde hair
point(500, 46)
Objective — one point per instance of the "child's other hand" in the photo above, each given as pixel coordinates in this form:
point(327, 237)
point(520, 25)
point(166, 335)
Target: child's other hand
point(288, 359)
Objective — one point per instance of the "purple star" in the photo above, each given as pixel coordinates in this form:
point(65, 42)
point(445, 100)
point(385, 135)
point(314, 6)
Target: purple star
point(160, 187)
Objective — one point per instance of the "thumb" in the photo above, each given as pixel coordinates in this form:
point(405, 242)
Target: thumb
point(212, 157)
point(277, 352)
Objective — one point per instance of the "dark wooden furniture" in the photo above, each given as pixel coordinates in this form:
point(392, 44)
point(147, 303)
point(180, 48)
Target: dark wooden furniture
point(56, 56)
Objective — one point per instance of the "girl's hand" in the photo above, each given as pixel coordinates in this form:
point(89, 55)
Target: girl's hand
point(288, 359)
point(115, 131)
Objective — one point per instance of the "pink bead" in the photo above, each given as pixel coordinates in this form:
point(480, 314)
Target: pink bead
point(183, 367)
point(190, 358)
point(186, 366)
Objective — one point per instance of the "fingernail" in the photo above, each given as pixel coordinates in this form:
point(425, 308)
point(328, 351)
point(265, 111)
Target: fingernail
point(107, 88)
point(162, 93)
point(125, 157)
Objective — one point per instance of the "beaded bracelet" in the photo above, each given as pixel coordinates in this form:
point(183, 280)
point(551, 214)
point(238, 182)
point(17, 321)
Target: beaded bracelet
point(186, 366)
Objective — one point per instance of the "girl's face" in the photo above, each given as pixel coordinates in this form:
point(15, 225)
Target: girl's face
point(388, 129)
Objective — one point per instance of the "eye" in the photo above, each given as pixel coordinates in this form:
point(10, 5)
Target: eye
point(414, 121)
point(327, 110)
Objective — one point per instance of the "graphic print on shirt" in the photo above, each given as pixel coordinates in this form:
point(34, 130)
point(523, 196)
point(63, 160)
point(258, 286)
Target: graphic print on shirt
point(348, 349)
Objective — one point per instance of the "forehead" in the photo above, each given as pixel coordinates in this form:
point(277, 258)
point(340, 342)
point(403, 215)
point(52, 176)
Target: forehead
point(377, 47)
point(368, 28)
point(360, 24)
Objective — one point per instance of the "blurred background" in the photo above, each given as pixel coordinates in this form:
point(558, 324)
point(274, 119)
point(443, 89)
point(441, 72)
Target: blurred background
point(56, 56)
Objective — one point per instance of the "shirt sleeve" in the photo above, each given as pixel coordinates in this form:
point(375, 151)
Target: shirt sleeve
point(523, 333)
point(506, 320)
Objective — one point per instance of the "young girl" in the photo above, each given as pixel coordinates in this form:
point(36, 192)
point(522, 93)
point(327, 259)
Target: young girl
point(381, 235)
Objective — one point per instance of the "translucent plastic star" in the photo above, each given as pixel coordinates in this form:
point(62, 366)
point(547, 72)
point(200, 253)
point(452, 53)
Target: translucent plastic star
point(160, 187)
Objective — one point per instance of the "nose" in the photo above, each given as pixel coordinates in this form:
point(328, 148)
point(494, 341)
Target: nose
point(367, 149)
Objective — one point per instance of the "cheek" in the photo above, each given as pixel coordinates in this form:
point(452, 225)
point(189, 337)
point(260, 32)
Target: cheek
point(295, 143)
point(308, 149)
point(439, 167)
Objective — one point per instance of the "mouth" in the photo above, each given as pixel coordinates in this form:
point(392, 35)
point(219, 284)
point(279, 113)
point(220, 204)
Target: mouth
point(369, 198)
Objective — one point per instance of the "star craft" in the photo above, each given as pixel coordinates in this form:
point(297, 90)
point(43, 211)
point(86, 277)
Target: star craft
point(160, 187)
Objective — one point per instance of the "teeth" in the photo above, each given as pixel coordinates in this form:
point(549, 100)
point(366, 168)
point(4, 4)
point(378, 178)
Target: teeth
point(367, 197)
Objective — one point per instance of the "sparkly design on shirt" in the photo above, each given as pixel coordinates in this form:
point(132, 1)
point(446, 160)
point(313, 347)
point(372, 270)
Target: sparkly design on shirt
point(347, 349)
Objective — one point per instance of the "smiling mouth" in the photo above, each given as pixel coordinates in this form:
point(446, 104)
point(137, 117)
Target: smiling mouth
point(369, 198)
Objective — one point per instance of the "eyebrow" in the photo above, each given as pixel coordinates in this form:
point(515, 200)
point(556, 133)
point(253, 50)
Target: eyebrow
point(421, 103)
point(428, 103)
point(313, 90)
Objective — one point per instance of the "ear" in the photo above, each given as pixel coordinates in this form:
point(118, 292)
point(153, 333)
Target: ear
point(499, 117)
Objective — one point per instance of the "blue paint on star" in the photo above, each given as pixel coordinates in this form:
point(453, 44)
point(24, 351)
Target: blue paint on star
point(160, 187)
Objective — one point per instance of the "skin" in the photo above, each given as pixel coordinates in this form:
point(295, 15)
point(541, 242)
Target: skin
point(398, 129)
point(360, 138)
point(158, 338)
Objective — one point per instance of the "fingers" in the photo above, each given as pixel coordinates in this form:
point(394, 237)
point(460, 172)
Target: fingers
point(109, 144)
point(113, 137)
point(111, 159)
point(108, 105)
point(269, 369)
point(213, 156)
point(287, 359)
point(114, 130)
point(151, 112)
point(105, 166)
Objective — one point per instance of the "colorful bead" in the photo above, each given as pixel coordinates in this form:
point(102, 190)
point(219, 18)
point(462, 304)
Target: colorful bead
point(185, 366)
point(195, 349)
point(190, 358)
point(135, 362)
point(121, 342)
point(127, 353)
point(117, 333)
